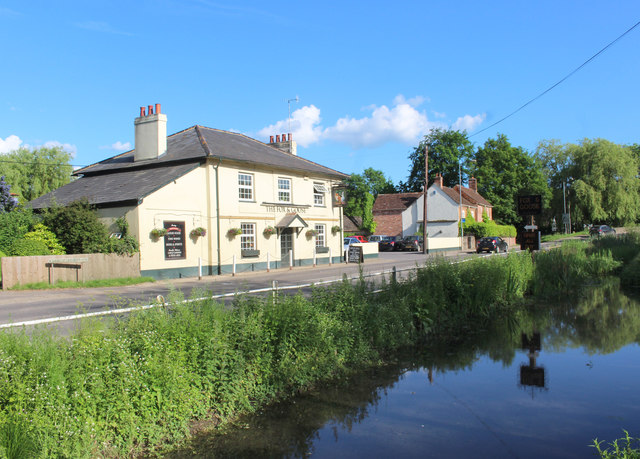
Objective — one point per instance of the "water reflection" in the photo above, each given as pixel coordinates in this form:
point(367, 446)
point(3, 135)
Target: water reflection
point(601, 321)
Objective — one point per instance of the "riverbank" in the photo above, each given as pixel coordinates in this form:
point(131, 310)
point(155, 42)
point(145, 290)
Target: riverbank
point(131, 386)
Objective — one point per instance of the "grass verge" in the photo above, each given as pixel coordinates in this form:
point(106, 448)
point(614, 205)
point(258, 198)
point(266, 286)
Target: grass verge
point(119, 282)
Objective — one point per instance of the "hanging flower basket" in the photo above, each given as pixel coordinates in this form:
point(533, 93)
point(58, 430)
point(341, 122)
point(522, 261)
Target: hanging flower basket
point(269, 230)
point(199, 231)
point(233, 232)
point(157, 233)
point(311, 233)
point(335, 229)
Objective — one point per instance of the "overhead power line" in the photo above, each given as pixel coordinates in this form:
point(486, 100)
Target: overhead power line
point(559, 82)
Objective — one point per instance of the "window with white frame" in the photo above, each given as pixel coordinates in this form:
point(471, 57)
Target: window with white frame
point(245, 186)
point(284, 189)
point(248, 238)
point(318, 194)
point(320, 235)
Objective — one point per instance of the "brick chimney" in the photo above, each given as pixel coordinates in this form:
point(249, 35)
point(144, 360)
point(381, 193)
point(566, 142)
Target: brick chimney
point(151, 134)
point(286, 144)
point(473, 184)
point(438, 180)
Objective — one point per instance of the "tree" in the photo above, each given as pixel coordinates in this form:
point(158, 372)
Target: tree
point(77, 227)
point(446, 148)
point(35, 172)
point(504, 172)
point(362, 191)
point(605, 187)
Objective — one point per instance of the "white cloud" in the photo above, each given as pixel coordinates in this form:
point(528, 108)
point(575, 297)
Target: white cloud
point(11, 143)
point(401, 123)
point(468, 122)
point(304, 126)
point(119, 146)
point(72, 149)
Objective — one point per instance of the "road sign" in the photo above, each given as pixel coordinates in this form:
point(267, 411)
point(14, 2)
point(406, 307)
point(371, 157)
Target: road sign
point(530, 240)
point(530, 205)
point(531, 227)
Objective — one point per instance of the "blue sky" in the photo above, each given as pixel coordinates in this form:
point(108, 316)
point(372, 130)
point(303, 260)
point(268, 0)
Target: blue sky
point(372, 77)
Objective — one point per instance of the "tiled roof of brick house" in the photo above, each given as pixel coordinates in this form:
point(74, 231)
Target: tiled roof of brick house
point(394, 202)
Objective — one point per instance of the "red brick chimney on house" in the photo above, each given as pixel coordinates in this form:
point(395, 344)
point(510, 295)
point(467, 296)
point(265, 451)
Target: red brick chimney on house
point(438, 180)
point(286, 143)
point(473, 184)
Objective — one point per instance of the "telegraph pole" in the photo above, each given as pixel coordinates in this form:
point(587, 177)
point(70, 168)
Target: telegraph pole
point(425, 244)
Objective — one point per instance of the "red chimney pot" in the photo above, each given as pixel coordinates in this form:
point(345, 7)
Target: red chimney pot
point(289, 137)
point(278, 138)
point(150, 109)
point(270, 139)
point(157, 109)
point(142, 112)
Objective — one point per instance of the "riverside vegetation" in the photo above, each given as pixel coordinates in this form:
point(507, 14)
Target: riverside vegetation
point(136, 385)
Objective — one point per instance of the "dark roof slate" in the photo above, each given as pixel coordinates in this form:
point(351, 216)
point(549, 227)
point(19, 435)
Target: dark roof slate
point(124, 187)
point(198, 142)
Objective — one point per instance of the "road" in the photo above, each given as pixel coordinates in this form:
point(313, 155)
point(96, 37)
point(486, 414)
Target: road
point(17, 307)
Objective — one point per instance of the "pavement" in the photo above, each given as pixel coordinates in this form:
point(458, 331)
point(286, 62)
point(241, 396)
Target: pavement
point(17, 306)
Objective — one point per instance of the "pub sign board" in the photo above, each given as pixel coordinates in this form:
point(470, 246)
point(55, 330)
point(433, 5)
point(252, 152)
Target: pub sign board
point(174, 241)
point(530, 240)
point(530, 205)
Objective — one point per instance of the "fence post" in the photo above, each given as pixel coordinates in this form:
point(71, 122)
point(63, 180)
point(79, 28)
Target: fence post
point(268, 262)
point(394, 275)
point(329, 256)
point(274, 290)
point(233, 272)
point(314, 257)
point(290, 259)
point(199, 268)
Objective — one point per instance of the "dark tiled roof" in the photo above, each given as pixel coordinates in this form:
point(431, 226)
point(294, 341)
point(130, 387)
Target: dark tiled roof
point(121, 179)
point(118, 188)
point(394, 202)
point(198, 142)
point(352, 224)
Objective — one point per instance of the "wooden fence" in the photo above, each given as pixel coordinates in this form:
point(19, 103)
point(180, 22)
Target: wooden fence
point(56, 268)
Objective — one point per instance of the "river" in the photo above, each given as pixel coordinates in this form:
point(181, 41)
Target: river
point(544, 385)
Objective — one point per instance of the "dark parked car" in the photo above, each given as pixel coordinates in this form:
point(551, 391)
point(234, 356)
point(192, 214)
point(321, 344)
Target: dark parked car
point(387, 244)
point(410, 243)
point(492, 244)
point(601, 230)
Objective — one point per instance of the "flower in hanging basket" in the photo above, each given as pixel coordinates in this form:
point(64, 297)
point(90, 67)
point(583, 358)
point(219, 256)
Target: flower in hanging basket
point(158, 232)
point(269, 230)
point(233, 232)
point(199, 231)
point(311, 233)
point(335, 229)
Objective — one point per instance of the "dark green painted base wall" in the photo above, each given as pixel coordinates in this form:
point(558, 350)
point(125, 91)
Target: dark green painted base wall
point(243, 267)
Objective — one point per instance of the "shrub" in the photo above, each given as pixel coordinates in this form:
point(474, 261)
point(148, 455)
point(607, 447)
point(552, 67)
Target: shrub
point(630, 275)
point(482, 229)
point(77, 227)
point(28, 247)
point(41, 233)
point(14, 225)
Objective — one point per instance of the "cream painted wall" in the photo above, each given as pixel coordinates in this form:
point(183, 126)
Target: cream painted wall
point(192, 199)
point(265, 210)
point(185, 200)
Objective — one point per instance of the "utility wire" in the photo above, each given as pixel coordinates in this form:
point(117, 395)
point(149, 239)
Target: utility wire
point(561, 81)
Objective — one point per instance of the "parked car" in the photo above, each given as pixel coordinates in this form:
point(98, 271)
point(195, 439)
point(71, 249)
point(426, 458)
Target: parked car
point(601, 230)
point(377, 238)
point(492, 244)
point(410, 243)
point(387, 244)
point(360, 238)
point(350, 240)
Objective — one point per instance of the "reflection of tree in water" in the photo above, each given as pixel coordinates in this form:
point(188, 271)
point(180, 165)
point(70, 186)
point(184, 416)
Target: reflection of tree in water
point(602, 320)
point(288, 428)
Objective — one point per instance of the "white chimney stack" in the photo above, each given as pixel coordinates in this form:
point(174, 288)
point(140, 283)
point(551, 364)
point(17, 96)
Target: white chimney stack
point(151, 134)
